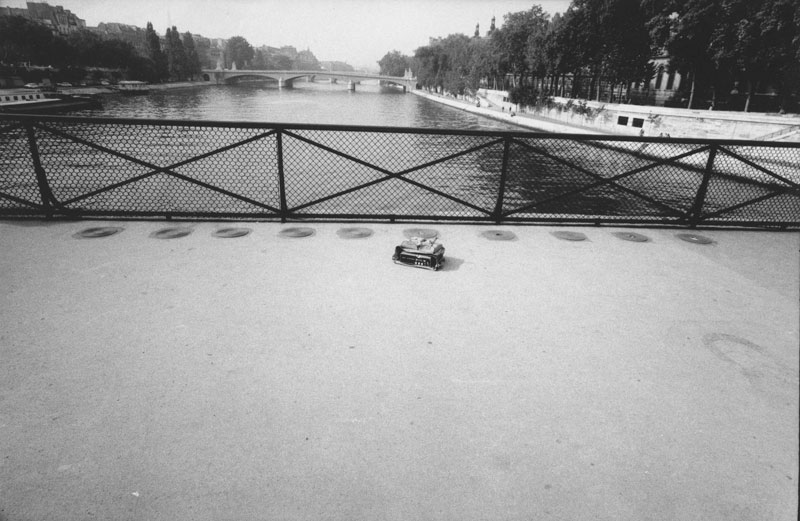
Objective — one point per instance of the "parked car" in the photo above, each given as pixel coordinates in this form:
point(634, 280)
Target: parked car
point(31, 85)
point(64, 84)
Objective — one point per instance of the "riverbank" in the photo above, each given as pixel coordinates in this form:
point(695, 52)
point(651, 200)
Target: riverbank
point(631, 120)
point(499, 112)
point(636, 120)
point(102, 89)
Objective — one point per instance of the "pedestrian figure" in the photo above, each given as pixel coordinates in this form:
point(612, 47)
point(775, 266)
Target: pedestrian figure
point(643, 145)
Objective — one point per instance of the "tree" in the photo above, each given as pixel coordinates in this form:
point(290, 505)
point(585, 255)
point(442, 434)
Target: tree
point(626, 44)
point(22, 40)
point(278, 62)
point(394, 63)
point(755, 41)
point(260, 60)
point(685, 29)
point(240, 52)
point(429, 62)
point(306, 61)
point(160, 69)
point(457, 47)
point(513, 36)
point(85, 46)
point(780, 33)
point(193, 67)
point(555, 55)
point(176, 55)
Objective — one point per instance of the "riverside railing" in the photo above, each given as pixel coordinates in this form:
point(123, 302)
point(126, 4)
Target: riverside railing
point(90, 167)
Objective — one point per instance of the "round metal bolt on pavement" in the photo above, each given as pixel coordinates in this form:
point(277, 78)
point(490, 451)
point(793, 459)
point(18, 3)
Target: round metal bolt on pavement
point(499, 235)
point(97, 232)
point(231, 233)
point(694, 238)
point(175, 232)
point(297, 232)
point(422, 233)
point(570, 236)
point(630, 236)
point(354, 233)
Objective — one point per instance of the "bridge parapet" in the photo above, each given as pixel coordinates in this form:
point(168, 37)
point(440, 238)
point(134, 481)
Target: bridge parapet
point(94, 167)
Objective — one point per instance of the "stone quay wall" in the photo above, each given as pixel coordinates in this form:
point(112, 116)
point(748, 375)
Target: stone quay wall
point(656, 121)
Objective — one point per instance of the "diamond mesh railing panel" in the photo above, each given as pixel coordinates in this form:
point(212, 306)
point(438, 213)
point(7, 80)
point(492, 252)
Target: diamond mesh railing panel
point(572, 179)
point(19, 189)
point(158, 169)
point(389, 174)
point(741, 189)
point(105, 167)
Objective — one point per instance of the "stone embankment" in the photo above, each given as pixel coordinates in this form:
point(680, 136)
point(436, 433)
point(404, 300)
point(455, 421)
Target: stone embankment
point(591, 117)
point(507, 114)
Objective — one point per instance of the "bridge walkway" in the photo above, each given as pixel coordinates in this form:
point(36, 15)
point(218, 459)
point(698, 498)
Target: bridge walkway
point(305, 378)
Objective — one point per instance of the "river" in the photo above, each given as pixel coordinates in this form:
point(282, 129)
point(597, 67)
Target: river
point(315, 103)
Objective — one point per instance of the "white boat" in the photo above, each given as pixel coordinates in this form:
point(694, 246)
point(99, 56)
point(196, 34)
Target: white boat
point(26, 101)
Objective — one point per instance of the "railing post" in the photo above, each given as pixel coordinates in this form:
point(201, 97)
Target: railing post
point(41, 177)
point(281, 180)
point(697, 208)
point(498, 209)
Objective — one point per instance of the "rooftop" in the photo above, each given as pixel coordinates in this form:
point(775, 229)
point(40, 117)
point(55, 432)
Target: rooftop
point(272, 377)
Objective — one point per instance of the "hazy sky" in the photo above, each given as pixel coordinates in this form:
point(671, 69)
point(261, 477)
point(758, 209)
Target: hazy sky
point(359, 32)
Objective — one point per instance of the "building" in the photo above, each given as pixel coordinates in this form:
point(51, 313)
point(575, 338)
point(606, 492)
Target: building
point(59, 20)
point(124, 32)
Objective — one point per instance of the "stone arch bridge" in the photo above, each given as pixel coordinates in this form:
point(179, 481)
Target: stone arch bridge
point(286, 78)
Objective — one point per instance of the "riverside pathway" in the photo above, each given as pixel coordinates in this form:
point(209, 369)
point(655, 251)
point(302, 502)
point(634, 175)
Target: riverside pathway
point(269, 377)
point(521, 119)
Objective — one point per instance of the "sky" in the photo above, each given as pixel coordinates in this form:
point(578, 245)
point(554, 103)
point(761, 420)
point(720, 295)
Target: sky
point(359, 32)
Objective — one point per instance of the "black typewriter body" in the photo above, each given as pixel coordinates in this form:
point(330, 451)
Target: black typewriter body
point(419, 259)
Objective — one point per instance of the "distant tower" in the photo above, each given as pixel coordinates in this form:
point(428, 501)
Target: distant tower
point(491, 27)
point(477, 30)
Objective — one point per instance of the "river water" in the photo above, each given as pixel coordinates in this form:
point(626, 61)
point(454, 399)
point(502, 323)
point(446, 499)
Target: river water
point(315, 103)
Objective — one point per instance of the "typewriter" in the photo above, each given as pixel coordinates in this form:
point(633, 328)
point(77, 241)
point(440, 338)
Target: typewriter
point(419, 253)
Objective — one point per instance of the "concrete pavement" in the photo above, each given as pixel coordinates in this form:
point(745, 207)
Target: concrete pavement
point(267, 377)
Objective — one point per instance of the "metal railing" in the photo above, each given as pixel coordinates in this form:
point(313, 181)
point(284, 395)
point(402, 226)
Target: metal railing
point(91, 167)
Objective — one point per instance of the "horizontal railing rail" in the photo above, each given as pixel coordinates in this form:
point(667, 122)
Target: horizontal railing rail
point(56, 166)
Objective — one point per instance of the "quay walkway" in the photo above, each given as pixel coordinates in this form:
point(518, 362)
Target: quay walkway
point(520, 119)
point(278, 377)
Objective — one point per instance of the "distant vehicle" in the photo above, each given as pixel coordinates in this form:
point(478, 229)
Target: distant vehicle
point(31, 85)
point(104, 83)
point(64, 84)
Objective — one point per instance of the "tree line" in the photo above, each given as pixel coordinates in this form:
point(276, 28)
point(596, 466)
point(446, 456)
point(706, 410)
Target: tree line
point(725, 50)
point(25, 41)
point(175, 58)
